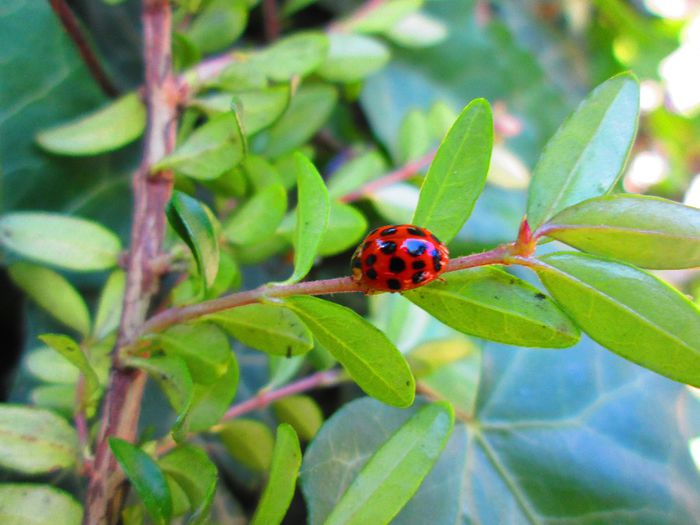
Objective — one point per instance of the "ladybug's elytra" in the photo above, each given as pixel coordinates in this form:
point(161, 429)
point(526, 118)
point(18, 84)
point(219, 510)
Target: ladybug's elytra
point(398, 258)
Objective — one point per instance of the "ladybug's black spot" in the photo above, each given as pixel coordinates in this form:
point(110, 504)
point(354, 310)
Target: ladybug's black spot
point(388, 231)
point(393, 284)
point(415, 231)
point(415, 247)
point(418, 277)
point(356, 262)
point(370, 260)
point(437, 263)
point(418, 265)
point(397, 265)
point(387, 247)
point(371, 273)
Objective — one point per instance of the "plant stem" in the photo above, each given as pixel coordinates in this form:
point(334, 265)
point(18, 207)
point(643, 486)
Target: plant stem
point(271, 20)
point(120, 413)
point(72, 26)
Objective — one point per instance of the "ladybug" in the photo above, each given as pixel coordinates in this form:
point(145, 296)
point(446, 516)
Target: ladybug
point(398, 258)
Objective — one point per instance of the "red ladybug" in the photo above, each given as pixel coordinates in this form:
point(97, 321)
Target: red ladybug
point(398, 258)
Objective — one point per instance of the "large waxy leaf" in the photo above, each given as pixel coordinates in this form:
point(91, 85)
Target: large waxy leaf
point(60, 240)
point(458, 173)
point(369, 357)
point(34, 440)
point(30, 504)
point(353, 57)
point(628, 311)
point(284, 469)
point(107, 129)
point(586, 155)
point(646, 231)
point(490, 303)
point(258, 218)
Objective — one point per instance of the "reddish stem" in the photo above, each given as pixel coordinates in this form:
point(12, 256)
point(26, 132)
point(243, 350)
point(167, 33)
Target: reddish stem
point(271, 20)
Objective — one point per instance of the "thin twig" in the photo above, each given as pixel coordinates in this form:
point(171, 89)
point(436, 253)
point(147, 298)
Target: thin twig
point(271, 20)
point(72, 26)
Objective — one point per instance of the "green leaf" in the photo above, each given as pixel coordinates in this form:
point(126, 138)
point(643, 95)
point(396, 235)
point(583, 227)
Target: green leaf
point(197, 226)
point(195, 473)
point(53, 293)
point(289, 7)
point(312, 213)
point(218, 25)
point(490, 303)
point(109, 307)
point(302, 413)
point(47, 365)
point(209, 151)
point(258, 218)
point(393, 474)
point(30, 504)
point(346, 226)
point(299, 54)
point(353, 57)
point(382, 17)
point(34, 440)
point(369, 357)
point(249, 442)
point(458, 173)
point(440, 118)
point(227, 276)
point(355, 173)
point(586, 155)
point(629, 311)
point(260, 172)
point(418, 30)
point(646, 231)
point(211, 401)
point(107, 129)
point(415, 136)
point(267, 327)
point(439, 353)
point(60, 240)
point(56, 397)
point(284, 469)
point(146, 477)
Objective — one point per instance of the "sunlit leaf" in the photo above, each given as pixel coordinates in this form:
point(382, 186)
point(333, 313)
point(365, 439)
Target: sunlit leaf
point(258, 217)
point(31, 504)
point(302, 413)
point(353, 57)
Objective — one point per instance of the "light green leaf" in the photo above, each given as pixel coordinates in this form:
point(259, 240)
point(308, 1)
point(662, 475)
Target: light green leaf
point(53, 293)
point(51, 367)
point(218, 25)
point(267, 327)
point(284, 469)
point(281, 370)
point(586, 155)
point(458, 173)
point(302, 413)
point(258, 218)
point(488, 302)
point(248, 441)
point(440, 117)
point(147, 479)
point(227, 276)
point(629, 311)
point(369, 357)
point(107, 129)
point(299, 54)
point(415, 137)
point(34, 440)
point(382, 17)
point(260, 172)
point(197, 227)
point(109, 307)
point(56, 397)
point(394, 473)
point(30, 504)
point(211, 401)
point(69, 242)
point(353, 57)
point(438, 353)
point(346, 226)
point(355, 173)
point(646, 231)
point(418, 30)
point(209, 151)
point(289, 7)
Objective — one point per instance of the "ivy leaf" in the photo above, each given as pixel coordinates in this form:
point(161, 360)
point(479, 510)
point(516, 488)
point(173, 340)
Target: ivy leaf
point(490, 303)
point(586, 155)
point(646, 231)
point(248, 441)
point(458, 173)
point(284, 469)
point(197, 227)
point(147, 479)
point(109, 307)
point(370, 358)
point(258, 218)
point(628, 311)
point(28, 503)
point(353, 57)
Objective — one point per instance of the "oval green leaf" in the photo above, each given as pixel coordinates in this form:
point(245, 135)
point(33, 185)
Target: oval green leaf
point(218, 25)
point(248, 441)
point(346, 226)
point(646, 231)
point(370, 358)
point(30, 504)
point(586, 155)
point(356, 172)
point(458, 173)
point(109, 307)
point(490, 303)
point(302, 412)
point(258, 218)
point(299, 54)
point(69, 242)
point(210, 402)
point(353, 57)
point(629, 311)
point(107, 129)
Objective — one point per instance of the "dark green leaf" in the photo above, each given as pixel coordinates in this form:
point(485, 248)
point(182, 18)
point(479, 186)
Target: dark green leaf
point(302, 413)
point(248, 441)
point(109, 307)
point(211, 401)
point(258, 218)
point(458, 173)
point(353, 57)
point(30, 504)
point(218, 25)
point(299, 54)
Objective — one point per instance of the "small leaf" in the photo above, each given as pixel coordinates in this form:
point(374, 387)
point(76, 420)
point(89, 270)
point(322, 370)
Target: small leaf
point(109, 307)
point(50, 366)
point(629, 311)
point(490, 303)
point(394, 473)
point(146, 477)
point(34, 440)
point(218, 25)
point(57, 398)
point(211, 401)
point(352, 58)
point(440, 117)
point(415, 137)
point(435, 354)
point(458, 173)
point(209, 151)
point(248, 441)
point(382, 17)
point(355, 173)
point(284, 470)
point(346, 226)
point(53, 293)
point(302, 413)
point(369, 357)
point(507, 170)
point(299, 54)
point(197, 227)
point(586, 155)
point(646, 231)
point(69, 242)
point(31, 504)
point(418, 30)
point(289, 7)
point(260, 172)
point(266, 327)
point(107, 129)
point(258, 218)
point(195, 473)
